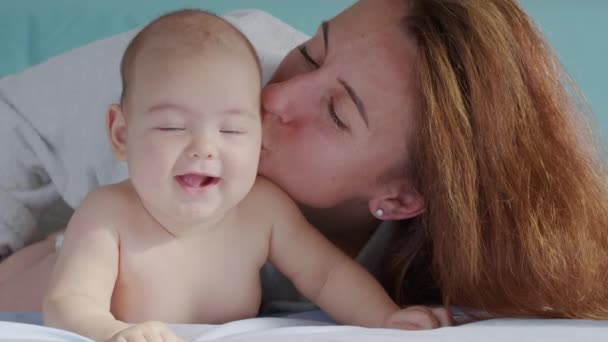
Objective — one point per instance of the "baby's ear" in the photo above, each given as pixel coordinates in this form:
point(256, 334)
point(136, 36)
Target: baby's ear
point(117, 131)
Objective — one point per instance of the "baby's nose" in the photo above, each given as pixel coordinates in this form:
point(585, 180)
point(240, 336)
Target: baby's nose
point(197, 154)
point(202, 148)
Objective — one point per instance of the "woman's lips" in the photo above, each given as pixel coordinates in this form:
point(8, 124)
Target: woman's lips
point(265, 152)
point(267, 146)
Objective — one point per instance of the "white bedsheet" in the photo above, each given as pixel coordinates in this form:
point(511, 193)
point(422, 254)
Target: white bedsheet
point(286, 329)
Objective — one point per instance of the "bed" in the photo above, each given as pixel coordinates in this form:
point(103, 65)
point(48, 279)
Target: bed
point(35, 31)
point(293, 329)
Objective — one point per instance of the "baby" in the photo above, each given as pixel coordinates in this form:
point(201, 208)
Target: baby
point(184, 238)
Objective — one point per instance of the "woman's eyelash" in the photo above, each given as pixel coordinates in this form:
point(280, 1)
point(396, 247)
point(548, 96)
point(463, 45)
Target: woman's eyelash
point(334, 115)
point(306, 55)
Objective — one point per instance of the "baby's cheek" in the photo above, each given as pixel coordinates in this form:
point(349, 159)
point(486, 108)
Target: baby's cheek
point(152, 160)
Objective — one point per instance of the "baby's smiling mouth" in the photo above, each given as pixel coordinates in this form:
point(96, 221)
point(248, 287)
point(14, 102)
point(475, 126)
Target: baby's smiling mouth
point(196, 181)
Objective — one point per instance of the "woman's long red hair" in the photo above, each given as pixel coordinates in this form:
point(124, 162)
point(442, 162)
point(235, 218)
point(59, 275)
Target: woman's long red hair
point(517, 196)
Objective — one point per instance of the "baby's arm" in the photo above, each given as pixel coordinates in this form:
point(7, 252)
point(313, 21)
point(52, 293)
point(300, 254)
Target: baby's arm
point(328, 277)
point(81, 287)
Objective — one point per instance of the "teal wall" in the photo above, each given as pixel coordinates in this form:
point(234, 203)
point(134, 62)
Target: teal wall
point(577, 30)
point(33, 30)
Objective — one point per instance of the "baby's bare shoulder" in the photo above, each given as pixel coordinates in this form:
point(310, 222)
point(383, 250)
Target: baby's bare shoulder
point(267, 200)
point(105, 206)
point(265, 195)
point(119, 196)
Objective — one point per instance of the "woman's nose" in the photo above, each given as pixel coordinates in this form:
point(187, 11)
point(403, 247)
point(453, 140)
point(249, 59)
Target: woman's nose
point(289, 100)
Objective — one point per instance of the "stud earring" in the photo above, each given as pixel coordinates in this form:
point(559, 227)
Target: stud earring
point(379, 212)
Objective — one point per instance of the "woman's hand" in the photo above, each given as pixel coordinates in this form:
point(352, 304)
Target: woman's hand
point(150, 331)
point(419, 318)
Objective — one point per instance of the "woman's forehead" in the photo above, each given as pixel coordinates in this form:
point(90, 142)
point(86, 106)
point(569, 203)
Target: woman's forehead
point(372, 15)
point(378, 62)
point(370, 49)
point(372, 32)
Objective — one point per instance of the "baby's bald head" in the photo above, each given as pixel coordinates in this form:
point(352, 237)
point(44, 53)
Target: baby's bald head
point(184, 32)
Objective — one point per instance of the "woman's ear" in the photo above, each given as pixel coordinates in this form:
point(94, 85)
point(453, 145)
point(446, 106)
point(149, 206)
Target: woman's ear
point(397, 204)
point(117, 131)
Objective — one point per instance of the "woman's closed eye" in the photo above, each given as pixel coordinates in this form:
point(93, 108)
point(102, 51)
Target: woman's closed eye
point(331, 108)
point(309, 60)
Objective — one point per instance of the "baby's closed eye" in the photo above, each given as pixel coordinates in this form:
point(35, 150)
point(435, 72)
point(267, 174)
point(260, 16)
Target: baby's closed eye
point(233, 131)
point(170, 128)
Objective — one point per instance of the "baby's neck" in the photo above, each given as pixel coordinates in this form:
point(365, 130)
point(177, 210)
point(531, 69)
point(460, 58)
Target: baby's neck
point(349, 226)
point(178, 228)
point(183, 229)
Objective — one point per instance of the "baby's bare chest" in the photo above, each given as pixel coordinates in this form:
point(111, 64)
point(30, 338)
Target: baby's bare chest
point(208, 282)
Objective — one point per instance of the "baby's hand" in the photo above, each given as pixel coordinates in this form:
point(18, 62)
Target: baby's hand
point(150, 331)
point(419, 318)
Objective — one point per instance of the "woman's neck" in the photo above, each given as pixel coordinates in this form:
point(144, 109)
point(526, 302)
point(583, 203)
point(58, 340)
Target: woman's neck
point(348, 225)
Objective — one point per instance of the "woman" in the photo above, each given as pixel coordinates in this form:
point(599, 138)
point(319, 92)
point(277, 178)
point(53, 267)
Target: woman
point(453, 118)
point(467, 129)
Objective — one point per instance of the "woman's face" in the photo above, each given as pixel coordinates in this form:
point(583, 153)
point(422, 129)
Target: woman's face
point(340, 108)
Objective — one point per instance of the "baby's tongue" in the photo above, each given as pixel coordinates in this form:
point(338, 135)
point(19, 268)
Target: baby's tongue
point(194, 180)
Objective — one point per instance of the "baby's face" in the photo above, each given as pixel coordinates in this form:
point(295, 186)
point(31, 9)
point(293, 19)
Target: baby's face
point(193, 134)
